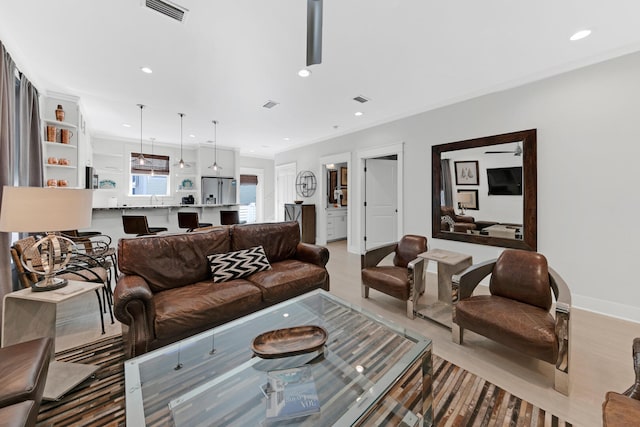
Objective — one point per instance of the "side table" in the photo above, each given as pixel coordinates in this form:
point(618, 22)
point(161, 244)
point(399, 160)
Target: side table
point(28, 315)
point(449, 263)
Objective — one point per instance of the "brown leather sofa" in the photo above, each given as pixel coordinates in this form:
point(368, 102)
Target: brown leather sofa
point(165, 292)
point(461, 223)
point(23, 369)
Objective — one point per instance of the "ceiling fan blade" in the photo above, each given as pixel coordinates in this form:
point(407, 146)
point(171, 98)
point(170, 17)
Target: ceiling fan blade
point(314, 32)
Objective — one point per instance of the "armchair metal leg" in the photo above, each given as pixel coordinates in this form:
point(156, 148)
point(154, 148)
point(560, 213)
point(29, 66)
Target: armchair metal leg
point(410, 314)
point(456, 333)
point(364, 291)
point(561, 381)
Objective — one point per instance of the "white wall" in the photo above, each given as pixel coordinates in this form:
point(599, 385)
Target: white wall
point(588, 153)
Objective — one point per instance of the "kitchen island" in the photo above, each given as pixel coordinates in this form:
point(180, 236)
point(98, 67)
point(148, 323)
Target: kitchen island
point(108, 220)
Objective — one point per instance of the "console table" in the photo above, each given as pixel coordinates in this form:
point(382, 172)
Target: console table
point(28, 315)
point(449, 263)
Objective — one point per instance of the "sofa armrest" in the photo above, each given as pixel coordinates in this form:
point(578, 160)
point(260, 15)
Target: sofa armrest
point(372, 257)
point(133, 306)
point(313, 254)
point(465, 282)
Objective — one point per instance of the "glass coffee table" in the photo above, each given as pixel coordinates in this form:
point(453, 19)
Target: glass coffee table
point(369, 372)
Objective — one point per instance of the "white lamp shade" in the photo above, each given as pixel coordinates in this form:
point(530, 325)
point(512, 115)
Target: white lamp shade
point(42, 209)
point(465, 198)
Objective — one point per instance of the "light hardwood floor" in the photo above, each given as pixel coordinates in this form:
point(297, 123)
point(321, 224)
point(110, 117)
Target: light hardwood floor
point(600, 346)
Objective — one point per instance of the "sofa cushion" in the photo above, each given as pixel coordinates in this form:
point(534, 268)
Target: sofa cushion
point(171, 261)
point(279, 240)
point(237, 264)
point(287, 279)
point(185, 309)
point(512, 323)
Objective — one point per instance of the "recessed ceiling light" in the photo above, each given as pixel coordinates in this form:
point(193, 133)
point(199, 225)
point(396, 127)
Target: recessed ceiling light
point(252, 151)
point(580, 35)
point(127, 125)
point(192, 136)
point(287, 139)
point(146, 70)
point(304, 73)
point(358, 113)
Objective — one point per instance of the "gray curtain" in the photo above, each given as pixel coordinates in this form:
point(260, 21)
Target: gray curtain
point(447, 188)
point(7, 129)
point(30, 172)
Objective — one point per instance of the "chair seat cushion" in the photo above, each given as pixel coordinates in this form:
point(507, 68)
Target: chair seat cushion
point(391, 280)
point(23, 369)
point(288, 278)
point(520, 326)
point(21, 414)
point(620, 410)
point(180, 310)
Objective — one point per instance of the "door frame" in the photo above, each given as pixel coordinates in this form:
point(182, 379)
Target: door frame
point(357, 243)
point(279, 213)
point(322, 211)
point(259, 190)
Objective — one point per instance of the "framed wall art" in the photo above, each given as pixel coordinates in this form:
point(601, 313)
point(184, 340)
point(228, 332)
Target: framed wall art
point(467, 172)
point(469, 199)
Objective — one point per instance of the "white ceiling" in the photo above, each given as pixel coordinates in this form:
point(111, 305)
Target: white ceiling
point(230, 56)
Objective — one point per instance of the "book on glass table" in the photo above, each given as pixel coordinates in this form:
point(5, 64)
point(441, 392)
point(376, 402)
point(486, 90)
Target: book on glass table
point(291, 393)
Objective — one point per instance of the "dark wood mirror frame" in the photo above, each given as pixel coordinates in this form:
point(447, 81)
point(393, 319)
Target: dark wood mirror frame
point(530, 191)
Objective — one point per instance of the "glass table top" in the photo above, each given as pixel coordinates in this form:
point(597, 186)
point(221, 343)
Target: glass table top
point(214, 377)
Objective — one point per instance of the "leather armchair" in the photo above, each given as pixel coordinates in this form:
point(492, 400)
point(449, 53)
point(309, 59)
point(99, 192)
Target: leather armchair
point(23, 369)
point(623, 409)
point(517, 313)
point(404, 279)
point(461, 223)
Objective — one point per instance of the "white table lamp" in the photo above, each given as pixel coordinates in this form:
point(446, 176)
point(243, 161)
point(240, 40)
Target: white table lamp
point(464, 200)
point(46, 210)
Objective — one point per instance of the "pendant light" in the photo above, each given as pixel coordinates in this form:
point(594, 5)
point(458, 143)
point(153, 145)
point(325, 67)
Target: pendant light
point(181, 161)
point(182, 164)
point(141, 156)
point(215, 166)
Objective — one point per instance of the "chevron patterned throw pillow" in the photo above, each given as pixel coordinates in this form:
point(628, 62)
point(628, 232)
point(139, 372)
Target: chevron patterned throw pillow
point(235, 265)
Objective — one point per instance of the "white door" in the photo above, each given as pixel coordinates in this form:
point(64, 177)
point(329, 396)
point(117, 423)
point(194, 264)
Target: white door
point(381, 198)
point(285, 187)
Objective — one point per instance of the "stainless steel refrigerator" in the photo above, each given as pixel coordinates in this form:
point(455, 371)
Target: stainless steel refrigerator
point(218, 191)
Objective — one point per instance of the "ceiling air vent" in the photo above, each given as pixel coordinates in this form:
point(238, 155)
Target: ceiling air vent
point(270, 104)
point(361, 99)
point(167, 8)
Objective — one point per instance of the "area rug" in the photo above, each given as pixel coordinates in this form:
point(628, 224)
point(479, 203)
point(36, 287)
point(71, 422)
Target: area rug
point(460, 398)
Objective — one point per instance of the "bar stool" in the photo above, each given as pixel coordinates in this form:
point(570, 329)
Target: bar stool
point(189, 220)
point(138, 225)
point(229, 217)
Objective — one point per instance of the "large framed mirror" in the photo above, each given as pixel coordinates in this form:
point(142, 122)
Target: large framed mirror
point(484, 190)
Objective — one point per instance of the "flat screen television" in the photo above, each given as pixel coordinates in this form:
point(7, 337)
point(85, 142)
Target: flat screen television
point(505, 181)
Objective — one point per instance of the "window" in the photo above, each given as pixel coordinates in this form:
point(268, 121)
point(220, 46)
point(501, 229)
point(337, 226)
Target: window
point(248, 186)
point(150, 178)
